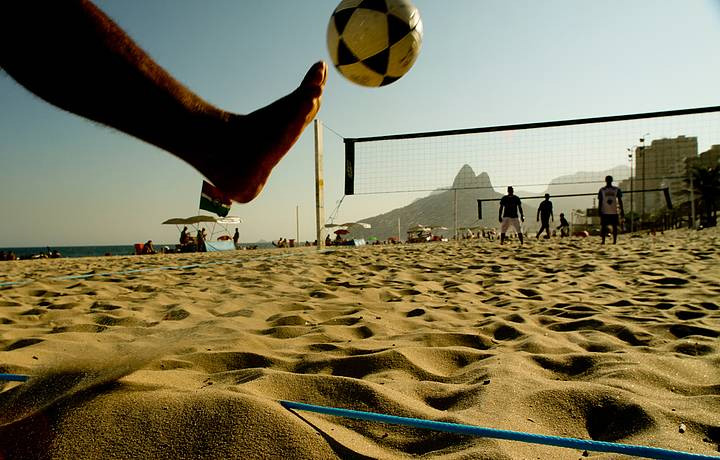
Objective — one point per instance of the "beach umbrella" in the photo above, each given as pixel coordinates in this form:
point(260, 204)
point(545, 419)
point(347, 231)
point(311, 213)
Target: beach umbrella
point(341, 231)
point(176, 221)
point(199, 219)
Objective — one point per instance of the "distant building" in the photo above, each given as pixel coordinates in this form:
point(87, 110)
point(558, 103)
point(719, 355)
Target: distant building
point(661, 164)
point(707, 159)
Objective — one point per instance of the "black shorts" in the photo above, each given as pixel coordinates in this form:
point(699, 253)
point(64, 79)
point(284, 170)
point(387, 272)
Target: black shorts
point(609, 219)
point(545, 221)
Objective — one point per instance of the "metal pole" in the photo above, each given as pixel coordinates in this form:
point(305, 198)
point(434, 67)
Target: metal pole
point(455, 214)
point(642, 210)
point(398, 229)
point(644, 154)
point(319, 186)
point(632, 209)
point(692, 201)
point(297, 224)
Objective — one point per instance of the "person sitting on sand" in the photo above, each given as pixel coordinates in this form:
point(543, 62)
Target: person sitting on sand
point(609, 203)
point(148, 248)
point(328, 240)
point(564, 226)
point(74, 56)
point(509, 208)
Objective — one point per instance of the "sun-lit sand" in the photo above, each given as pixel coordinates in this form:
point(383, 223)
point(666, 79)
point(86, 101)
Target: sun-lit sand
point(568, 338)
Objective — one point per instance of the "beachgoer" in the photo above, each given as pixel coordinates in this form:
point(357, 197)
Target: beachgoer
point(328, 241)
point(236, 237)
point(148, 248)
point(184, 237)
point(545, 212)
point(510, 208)
point(609, 203)
point(564, 226)
point(74, 56)
point(200, 241)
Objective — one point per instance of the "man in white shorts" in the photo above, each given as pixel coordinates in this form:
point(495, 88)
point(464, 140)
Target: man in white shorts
point(509, 209)
point(609, 203)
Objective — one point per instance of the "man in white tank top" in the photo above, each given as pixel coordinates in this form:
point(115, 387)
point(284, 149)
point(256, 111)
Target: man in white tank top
point(610, 207)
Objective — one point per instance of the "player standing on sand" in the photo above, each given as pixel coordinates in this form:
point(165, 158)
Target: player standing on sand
point(545, 212)
point(609, 203)
point(71, 54)
point(509, 208)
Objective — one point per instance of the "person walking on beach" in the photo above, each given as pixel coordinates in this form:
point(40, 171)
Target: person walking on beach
point(609, 204)
point(564, 226)
point(236, 237)
point(72, 55)
point(510, 208)
point(545, 212)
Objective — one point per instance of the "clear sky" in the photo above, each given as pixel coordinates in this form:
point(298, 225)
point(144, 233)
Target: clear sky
point(66, 181)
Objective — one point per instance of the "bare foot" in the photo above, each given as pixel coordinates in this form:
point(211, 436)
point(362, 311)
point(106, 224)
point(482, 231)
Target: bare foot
point(253, 144)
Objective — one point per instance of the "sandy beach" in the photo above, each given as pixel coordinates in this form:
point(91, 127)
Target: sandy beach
point(188, 357)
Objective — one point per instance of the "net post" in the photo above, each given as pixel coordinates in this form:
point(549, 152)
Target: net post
point(455, 220)
point(668, 201)
point(479, 209)
point(349, 166)
point(692, 201)
point(319, 186)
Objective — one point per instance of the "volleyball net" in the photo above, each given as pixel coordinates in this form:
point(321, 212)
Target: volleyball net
point(649, 155)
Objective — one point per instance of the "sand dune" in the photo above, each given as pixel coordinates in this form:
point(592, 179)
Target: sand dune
point(568, 338)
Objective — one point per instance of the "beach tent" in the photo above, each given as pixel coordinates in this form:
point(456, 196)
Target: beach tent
point(195, 221)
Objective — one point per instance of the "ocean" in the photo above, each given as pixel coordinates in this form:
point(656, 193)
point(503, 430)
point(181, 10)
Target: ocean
point(98, 251)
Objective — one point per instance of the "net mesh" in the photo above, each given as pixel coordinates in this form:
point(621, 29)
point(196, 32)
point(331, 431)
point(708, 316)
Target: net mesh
point(534, 159)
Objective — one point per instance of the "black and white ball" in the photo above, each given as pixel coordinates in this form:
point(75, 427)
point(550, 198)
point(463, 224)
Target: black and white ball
point(374, 42)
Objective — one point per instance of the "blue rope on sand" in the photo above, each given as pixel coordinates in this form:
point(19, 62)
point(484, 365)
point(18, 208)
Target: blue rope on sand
point(13, 378)
point(457, 428)
point(572, 443)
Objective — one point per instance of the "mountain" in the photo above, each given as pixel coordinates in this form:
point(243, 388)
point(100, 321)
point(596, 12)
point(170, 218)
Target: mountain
point(578, 183)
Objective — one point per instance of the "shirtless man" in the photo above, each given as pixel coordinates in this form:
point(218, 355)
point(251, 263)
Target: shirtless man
point(72, 55)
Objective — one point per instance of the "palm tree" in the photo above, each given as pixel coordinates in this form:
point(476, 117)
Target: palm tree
point(706, 185)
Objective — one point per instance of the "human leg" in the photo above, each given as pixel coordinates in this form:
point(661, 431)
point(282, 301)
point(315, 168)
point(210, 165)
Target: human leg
point(515, 222)
point(615, 232)
point(75, 57)
point(504, 228)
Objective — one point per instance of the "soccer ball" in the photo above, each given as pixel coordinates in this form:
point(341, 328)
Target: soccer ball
point(374, 42)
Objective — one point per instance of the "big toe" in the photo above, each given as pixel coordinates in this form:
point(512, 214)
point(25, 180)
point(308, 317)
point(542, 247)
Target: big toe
point(316, 76)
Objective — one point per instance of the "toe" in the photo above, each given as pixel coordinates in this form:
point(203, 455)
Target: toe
point(316, 76)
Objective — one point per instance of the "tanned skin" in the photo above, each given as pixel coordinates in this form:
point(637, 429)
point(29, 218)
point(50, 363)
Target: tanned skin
point(72, 55)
